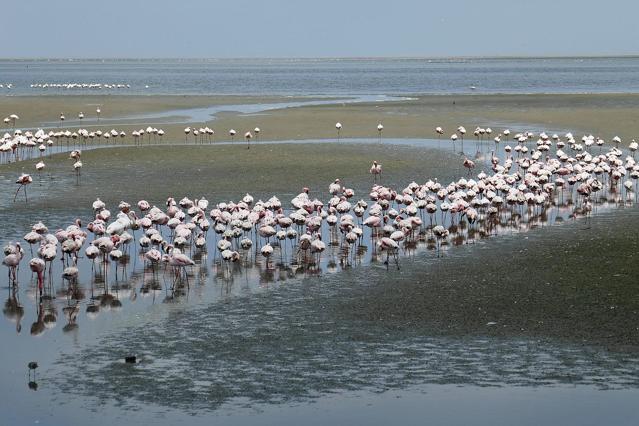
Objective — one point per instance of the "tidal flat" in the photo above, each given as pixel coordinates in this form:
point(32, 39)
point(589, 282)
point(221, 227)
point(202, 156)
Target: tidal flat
point(541, 310)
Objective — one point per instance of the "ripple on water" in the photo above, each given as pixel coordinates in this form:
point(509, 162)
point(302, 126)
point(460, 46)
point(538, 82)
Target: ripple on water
point(238, 352)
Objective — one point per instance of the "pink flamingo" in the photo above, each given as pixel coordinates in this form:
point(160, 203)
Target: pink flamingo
point(376, 171)
point(12, 261)
point(389, 246)
point(23, 181)
point(179, 261)
point(469, 164)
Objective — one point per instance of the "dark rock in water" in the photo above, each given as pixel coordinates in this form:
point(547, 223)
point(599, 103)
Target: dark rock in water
point(33, 386)
point(131, 359)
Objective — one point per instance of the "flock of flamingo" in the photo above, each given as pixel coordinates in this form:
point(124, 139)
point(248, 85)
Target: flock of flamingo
point(73, 86)
point(79, 85)
point(23, 146)
point(530, 186)
point(20, 145)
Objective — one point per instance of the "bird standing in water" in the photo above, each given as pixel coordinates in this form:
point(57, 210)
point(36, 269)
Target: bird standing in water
point(376, 171)
point(23, 181)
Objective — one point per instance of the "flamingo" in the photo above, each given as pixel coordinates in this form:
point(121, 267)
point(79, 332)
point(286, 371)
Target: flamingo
point(335, 187)
point(440, 233)
point(317, 247)
point(98, 205)
point(267, 251)
point(462, 131)
point(75, 154)
point(179, 261)
point(469, 164)
point(32, 238)
point(70, 273)
point(12, 261)
point(248, 137)
point(246, 244)
point(633, 147)
point(390, 246)
point(338, 126)
point(380, 128)
point(506, 134)
point(376, 171)
point(37, 265)
point(373, 222)
point(200, 241)
point(154, 257)
point(14, 118)
point(77, 166)
point(23, 181)
point(230, 256)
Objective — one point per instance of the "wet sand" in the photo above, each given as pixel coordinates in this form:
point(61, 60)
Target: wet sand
point(218, 171)
point(605, 115)
point(574, 283)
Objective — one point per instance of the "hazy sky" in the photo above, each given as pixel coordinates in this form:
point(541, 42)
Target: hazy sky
point(303, 28)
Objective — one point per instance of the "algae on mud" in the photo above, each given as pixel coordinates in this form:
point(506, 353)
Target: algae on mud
point(218, 172)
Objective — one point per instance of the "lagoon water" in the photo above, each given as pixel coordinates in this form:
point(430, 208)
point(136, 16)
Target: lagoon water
point(328, 76)
point(343, 345)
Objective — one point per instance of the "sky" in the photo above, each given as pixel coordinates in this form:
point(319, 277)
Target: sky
point(317, 28)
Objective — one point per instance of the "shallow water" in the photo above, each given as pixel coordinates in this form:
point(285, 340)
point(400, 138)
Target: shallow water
point(205, 115)
point(315, 76)
point(285, 350)
point(246, 341)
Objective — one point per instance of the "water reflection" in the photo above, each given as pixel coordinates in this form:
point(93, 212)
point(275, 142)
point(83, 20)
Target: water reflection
point(105, 283)
point(291, 344)
point(13, 309)
point(290, 347)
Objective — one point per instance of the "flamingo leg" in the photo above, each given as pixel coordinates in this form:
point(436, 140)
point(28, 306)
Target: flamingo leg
point(16, 196)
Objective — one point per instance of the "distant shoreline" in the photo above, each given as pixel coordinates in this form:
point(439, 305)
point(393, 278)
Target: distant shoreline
point(318, 58)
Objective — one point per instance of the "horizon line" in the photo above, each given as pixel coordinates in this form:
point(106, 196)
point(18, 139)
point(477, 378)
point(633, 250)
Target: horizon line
point(237, 58)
